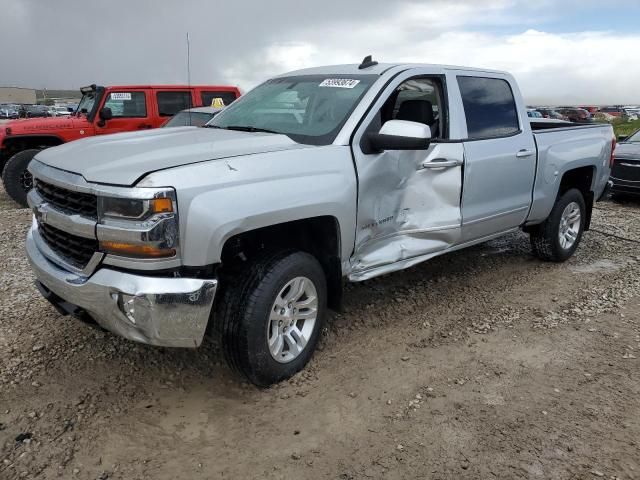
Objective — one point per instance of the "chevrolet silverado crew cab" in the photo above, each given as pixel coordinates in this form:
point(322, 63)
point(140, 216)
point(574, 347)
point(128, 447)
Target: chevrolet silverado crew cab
point(101, 110)
point(246, 229)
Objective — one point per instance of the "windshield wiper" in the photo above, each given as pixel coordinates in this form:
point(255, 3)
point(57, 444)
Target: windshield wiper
point(245, 128)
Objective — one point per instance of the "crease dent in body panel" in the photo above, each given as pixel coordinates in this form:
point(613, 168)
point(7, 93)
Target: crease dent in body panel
point(401, 251)
point(411, 212)
point(420, 216)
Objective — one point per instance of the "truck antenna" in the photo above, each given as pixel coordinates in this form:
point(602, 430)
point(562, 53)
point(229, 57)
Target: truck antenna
point(367, 62)
point(189, 73)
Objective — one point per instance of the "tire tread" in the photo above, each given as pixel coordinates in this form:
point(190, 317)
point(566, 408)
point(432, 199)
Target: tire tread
point(243, 288)
point(544, 237)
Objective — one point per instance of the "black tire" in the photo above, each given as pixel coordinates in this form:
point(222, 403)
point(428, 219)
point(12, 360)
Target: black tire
point(545, 241)
point(16, 178)
point(241, 317)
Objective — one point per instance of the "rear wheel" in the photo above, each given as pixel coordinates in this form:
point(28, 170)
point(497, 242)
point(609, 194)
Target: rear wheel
point(16, 178)
point(559, 236)
point(270, 316)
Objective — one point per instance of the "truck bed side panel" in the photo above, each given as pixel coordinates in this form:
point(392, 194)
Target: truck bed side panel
point(564, 149)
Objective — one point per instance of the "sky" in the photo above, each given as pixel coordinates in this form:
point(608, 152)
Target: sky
point(560, 51)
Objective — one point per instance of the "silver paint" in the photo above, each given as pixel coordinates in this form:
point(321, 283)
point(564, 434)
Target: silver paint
point(394, 209)
point(170, 312)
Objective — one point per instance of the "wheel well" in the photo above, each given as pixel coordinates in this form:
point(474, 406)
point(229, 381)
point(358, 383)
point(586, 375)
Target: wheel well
point(582, 179)
point(13, 145)
point(319, 236)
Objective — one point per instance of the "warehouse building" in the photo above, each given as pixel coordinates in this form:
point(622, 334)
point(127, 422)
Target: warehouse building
point(17, 95)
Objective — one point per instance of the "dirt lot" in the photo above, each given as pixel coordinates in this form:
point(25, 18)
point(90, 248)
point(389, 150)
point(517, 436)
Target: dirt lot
point(481, 364)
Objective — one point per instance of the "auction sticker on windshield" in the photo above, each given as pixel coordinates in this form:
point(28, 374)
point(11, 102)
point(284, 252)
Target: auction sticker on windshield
point(121, 96)
point(339, 82)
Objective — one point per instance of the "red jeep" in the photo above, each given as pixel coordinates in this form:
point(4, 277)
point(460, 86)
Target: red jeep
point(101, 110)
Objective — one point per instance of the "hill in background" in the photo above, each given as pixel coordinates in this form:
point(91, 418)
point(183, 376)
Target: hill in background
point(67, 94)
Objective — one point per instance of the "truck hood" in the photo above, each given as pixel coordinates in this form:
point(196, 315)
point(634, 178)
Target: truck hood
point(122, 159)
point(628, 150)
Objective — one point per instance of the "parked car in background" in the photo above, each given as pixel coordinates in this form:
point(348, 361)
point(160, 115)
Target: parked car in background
point(576, 115)
point(614, 111)
point(590, 108)
point(59, 111)
point(37, 111)
point(102, 110)
point(8, 112)
point(192, 117)
point(248, 229)
point(551, 113)
point(603, 117)
point(534, 113)
point(625, 173)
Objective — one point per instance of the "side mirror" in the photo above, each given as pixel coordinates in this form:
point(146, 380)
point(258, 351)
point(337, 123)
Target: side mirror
point(399, 135)
point(622, 138)
point(105, 114)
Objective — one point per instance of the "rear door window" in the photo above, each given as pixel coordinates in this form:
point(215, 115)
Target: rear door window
point(170, 103)
point(209, 98)
point(127, 104)
point(489, 107)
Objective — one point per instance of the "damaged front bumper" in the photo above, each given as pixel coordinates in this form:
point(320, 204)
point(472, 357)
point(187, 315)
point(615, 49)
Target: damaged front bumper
point(169, 312)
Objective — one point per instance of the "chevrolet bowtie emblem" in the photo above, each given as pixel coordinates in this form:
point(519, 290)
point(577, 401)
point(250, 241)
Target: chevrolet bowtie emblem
point(41, 214)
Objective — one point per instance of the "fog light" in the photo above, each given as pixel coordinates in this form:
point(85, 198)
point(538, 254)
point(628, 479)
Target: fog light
point(137, 309)
point(127, 304)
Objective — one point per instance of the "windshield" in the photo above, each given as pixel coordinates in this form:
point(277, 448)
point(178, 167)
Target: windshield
point(86, 104)
point(309, 109)
point(186, 119)
point(634, 138)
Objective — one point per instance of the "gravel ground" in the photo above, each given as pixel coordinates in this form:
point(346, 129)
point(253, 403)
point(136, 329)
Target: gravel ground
point(485, 363)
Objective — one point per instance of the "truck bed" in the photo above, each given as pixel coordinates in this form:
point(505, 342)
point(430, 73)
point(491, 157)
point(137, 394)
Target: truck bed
point(563, 148)
point(538, 124)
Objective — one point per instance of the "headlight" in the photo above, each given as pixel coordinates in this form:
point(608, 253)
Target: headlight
point(133, 209)
point(139, 228)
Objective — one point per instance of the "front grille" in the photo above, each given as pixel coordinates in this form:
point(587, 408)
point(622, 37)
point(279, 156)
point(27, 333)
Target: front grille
point(75, 202)
point(75, 250)
point(626, 169)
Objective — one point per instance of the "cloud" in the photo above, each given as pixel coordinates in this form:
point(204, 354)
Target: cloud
point(553, 68)
point(66, 43)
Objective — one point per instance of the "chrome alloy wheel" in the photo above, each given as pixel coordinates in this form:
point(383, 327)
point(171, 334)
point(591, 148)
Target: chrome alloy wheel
point(292, 319)
point(569, 225)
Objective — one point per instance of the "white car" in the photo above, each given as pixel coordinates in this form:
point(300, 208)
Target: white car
point(59, 111)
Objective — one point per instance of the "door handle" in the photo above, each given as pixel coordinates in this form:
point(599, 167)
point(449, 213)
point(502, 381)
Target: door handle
point(525, 153)
point(145, 125)
point(441, 163)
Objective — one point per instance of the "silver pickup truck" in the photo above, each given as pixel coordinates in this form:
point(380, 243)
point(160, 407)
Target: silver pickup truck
point(247, 228)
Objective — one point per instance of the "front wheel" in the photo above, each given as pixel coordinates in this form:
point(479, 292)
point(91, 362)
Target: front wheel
point(16, 178)
point(558, 237)
point(271, 314)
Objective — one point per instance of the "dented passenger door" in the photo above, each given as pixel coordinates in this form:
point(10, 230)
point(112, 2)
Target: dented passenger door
point(408, 200)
